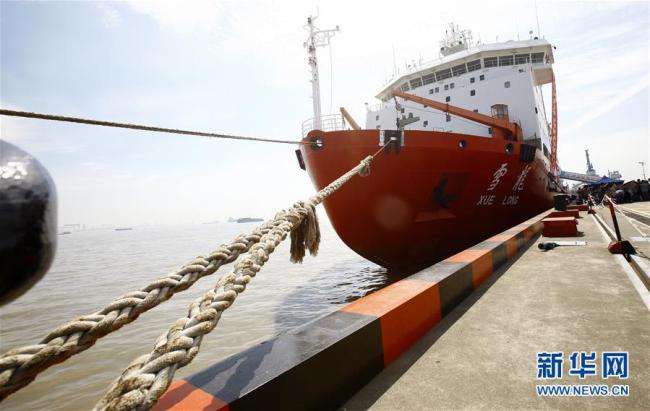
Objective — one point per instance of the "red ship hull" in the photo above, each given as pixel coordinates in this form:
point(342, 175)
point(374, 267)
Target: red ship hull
point(432, 198)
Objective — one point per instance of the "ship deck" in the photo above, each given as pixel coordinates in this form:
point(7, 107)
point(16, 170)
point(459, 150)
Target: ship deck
point(483, 354)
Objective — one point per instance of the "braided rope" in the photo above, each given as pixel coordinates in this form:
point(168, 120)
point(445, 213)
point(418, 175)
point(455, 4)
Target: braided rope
point(148, 376)
point(53, 117)
point(20, 366)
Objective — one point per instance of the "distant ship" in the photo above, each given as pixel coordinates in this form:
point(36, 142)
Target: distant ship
point(468, 151)
point(124, 229)
point(249, 220)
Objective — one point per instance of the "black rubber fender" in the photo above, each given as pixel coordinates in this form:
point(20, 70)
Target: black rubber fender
point(28, 221)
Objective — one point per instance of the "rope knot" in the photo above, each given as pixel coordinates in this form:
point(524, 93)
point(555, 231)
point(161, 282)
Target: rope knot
point(306, 235)
point(365, 170)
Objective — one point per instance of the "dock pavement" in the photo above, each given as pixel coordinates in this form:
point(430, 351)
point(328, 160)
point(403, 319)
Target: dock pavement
point(486, 353)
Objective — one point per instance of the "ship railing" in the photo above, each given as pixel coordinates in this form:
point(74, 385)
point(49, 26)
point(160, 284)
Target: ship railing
point(328, 122)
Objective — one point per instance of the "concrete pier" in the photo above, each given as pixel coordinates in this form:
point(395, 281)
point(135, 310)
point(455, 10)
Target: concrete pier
point(484, 353)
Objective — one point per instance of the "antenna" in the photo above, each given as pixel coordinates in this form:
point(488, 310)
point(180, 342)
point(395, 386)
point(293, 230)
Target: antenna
point(394, 62)
point(317, 38)
point(539, 33)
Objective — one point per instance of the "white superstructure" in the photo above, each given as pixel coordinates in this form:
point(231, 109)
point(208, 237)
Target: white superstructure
point(474, 78)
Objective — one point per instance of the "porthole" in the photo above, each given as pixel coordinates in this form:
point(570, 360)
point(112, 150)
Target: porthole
point(317, 143)
point(462, 144)
point(509, 148)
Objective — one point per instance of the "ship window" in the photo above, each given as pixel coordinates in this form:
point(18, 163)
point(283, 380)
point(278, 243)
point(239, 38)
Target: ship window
point(404, 87)
point(443, 74)
point(447, 99)
point(506, 84)
point(437, 89)
point(447, 117)
point(481, 77)
point(377, 127)
point(459, 69)
point(416, 83)
point(429, 78)
point(472, 79)
point(476, 110)
point(522, 58)
point(377, 117)
point(537, 58)
point(425, 123)
point(474, 65)
point(472, 92)
point(430, 91)
point(490, 62)
point(451, 85)
point(410, 115)
point(536, 110)
point(490, 130)
point(505, 60)
point(446, 86)
point(402, 110)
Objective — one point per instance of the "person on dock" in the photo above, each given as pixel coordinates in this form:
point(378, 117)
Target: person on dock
point(644, 190)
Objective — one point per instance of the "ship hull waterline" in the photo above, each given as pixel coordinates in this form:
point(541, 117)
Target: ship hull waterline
point(439, 194)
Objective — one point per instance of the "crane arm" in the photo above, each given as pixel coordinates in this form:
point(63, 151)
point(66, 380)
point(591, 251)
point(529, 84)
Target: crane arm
point(507, 126)
point(349, 119)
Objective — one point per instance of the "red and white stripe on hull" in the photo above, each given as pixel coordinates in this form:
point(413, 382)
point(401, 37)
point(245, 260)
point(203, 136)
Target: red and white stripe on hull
point(442, 192)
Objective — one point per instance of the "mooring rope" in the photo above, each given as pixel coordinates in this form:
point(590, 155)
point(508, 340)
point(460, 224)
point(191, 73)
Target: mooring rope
point(53, 117)
point(148, 377)
point(20, 366)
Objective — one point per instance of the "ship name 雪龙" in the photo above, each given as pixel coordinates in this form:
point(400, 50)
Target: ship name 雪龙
point(486, 200)
point(519, 184)
point(497, 176)
point(510, 200)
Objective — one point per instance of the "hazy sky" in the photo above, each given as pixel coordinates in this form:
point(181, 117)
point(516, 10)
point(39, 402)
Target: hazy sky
point(239, 67)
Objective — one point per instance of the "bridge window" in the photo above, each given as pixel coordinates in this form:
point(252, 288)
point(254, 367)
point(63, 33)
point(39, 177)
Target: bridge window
point(430, 91)
point(404, 87)
point(429, 78)
point(472, 79)
point(537, 57)
point(506, 84)
point(443, 74)
point(505, 60)
point(451, 85)
point(447, 99)
point(536, 110)
point(437, 89)
point(522, 58)
point(446, 86)
point(447, 117)
point(472, 92)
point(481, 77)
point(475, 110)
point(425, 123)
point(377, 117)
point(490, 62)
point(474, 65)
point(459, 69)
point(415, 83)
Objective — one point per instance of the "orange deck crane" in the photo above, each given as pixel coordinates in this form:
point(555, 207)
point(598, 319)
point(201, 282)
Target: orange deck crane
point(500, 122)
